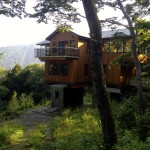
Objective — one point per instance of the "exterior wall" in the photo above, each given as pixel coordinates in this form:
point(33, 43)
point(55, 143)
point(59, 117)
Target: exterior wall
point(64, 36)
point(79, 64)
point(75, 65)
point(113, 75)
point(58, 78)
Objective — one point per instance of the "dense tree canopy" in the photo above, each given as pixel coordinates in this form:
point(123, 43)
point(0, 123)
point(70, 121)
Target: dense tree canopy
point(27, 80)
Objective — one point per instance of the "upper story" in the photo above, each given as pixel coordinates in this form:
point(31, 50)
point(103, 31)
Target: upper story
point(68, 44)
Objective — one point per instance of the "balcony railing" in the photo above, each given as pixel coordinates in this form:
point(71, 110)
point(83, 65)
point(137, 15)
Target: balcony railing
point(57, 52)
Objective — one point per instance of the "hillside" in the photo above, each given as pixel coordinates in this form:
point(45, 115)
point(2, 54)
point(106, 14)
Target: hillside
point(19, 54)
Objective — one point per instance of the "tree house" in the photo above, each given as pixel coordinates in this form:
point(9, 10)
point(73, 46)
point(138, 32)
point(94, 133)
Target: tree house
point(67, 63)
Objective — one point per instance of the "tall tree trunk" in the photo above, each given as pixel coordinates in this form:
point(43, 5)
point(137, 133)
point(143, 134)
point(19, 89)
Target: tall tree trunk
point(136, 61)
point(99, 86)
point(142, 132)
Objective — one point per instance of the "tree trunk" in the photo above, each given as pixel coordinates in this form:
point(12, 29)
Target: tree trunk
point(142, 132)
point(136, 61)
point(99, 86)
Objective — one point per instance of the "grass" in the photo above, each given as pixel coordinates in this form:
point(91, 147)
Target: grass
point(10, 134)
point(78, 129)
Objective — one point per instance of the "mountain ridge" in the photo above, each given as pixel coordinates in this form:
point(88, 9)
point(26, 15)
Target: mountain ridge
point(18, 54)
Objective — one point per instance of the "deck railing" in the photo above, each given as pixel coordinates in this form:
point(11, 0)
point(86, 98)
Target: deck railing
point(57, 52)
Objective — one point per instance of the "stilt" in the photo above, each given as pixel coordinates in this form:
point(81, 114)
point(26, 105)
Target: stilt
point(63, 96)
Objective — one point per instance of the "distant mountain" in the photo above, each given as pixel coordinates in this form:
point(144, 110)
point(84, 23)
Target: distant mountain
point(20, 54)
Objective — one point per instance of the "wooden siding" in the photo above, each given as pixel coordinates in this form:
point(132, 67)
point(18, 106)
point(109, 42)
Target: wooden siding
point(108, 57)
point(64, 36)
point(58, 78)
point(79, 65)
point(76, 75)
point(113, 75)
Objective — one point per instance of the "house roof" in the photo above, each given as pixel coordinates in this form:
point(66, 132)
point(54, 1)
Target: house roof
point(56, 31)
point(45, 42)
point(110, 33)
point(105, 35)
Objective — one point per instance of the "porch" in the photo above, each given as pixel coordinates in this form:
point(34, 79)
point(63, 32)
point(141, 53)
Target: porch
point(57, 52)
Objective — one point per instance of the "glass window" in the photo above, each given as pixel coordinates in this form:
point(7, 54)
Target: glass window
point(54, 47)
point(58, 69)
point(86, 69)
point(72, 43)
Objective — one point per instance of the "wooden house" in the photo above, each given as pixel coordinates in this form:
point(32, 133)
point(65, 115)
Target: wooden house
point(67, 60)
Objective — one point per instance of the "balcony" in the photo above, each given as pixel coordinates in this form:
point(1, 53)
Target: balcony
point(58, 52)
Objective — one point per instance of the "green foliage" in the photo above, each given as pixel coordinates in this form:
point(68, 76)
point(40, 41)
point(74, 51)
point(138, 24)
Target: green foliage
point(12, 8)
point(143, 27)
point(36, 137)
point(58, 11)
point(10, 133)
point(130, 141)
point(127, 113)
point(78, 129)
point(143, 126)
point(3, 73)
point(25, 101)
point(3, 91)
point(87, 98)
point(45, 102)
point(13, 105)
point(17, 104)
point(30, 79)
point(12, 81)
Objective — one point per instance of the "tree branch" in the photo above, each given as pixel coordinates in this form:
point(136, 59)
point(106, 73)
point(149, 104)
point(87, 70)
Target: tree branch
point(113, 22)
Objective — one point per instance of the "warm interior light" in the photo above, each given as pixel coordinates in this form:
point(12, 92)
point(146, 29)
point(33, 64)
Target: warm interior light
point(121, 78)
point(142, 58)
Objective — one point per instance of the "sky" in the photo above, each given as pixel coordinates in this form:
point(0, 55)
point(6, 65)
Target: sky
point(14, 31)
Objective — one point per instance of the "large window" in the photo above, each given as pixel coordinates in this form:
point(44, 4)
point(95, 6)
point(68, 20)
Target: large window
point(62, 45)
point(58, 69)
point(54, 47)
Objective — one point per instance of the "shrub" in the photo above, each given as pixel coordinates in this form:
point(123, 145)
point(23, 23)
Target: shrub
point(26, 101)
point(13, 104)
point(36, 137)
point(10, 134)
point(127, 113)
point(45, 102)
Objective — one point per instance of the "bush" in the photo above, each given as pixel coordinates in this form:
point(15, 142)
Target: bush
point(10, 134)
point(36, 137)
point(13, 104)
point(26, 101)
point(127, 113)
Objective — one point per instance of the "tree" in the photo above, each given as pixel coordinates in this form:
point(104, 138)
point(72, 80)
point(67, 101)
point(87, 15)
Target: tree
point(99, 84)
point(132, 11)
point(136, 61)
point(12, 8)
point(12, 81)
point(32, 79)
point(64, 10)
